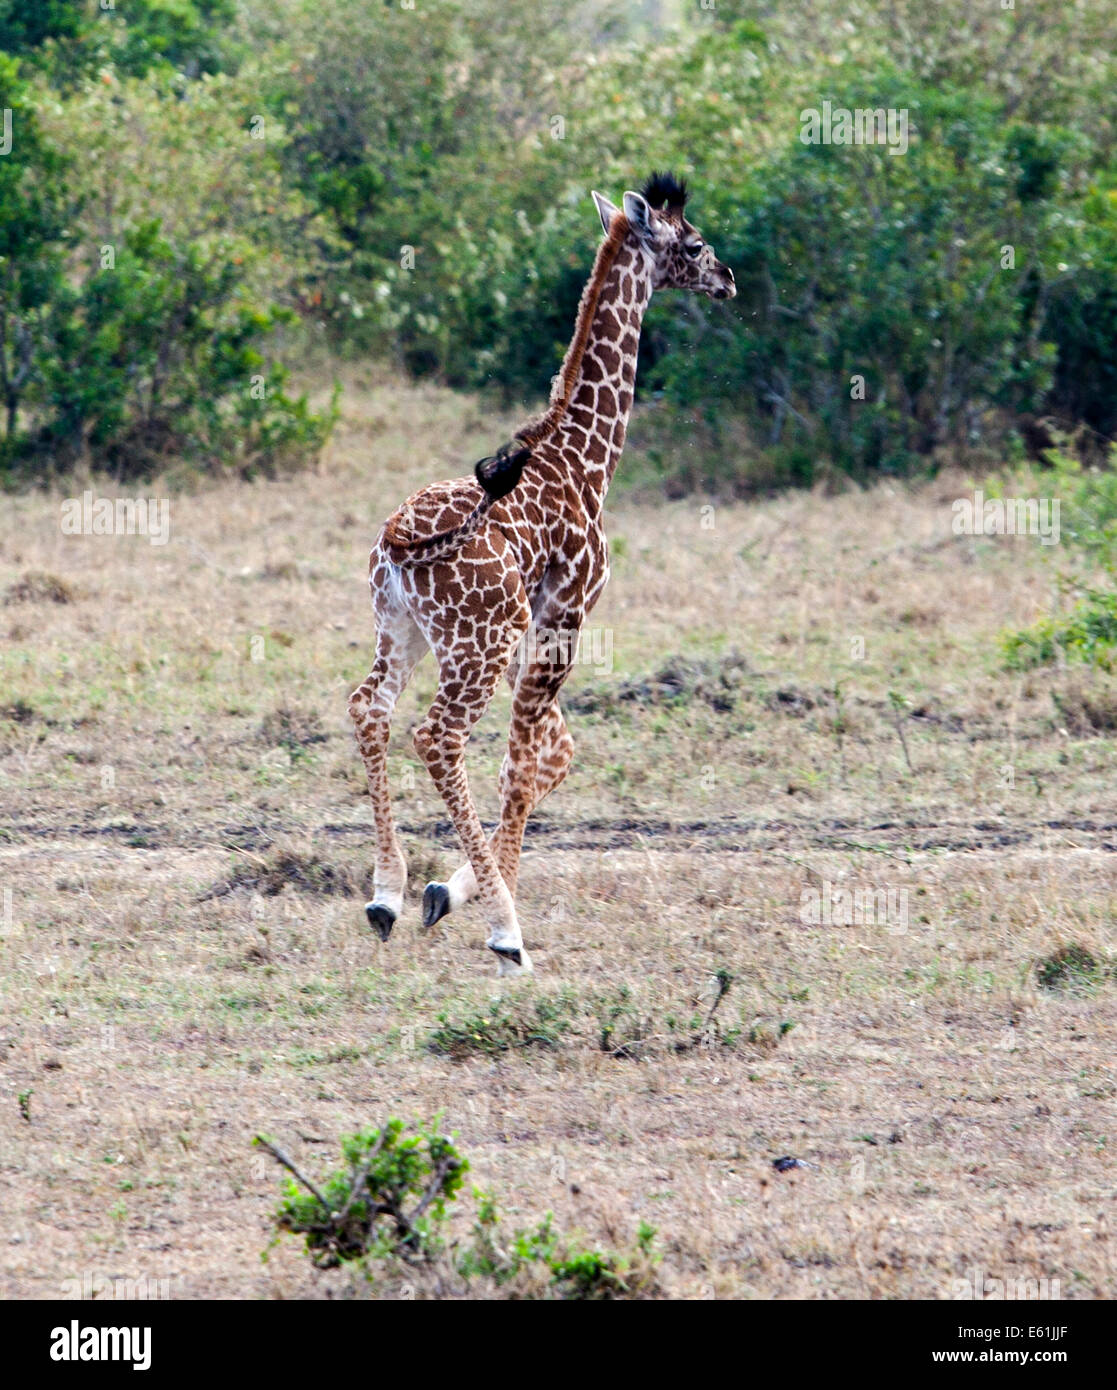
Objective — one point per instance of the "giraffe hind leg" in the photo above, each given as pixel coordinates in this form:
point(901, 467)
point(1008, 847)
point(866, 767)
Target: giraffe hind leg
point(399, 647)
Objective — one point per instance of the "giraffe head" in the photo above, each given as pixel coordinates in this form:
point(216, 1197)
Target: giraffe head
point(680, 256)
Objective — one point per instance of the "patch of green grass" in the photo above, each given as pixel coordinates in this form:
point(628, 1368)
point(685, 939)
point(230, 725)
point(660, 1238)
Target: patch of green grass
point(1087, 634)
point(575, 1272)
point(505, 1025)
point(1070, 967)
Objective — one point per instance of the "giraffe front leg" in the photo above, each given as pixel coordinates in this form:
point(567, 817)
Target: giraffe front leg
point(556, 751)
point(442, 749)
point(469, 677)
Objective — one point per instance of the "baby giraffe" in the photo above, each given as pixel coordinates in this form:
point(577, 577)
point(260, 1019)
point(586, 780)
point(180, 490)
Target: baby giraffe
point(495, 574)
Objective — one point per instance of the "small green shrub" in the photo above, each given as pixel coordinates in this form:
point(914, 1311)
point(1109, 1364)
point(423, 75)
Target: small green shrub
point(574, 1272)
point(390, 1204)
point(1087, 634)
point(1088, 502)
point(506, 1024)
point(390, 1200)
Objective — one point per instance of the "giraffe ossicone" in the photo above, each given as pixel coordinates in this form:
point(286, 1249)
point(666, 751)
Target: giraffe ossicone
point(468, 568)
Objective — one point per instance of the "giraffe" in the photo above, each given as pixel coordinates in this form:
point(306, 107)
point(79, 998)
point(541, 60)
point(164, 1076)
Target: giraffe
point(495, 575)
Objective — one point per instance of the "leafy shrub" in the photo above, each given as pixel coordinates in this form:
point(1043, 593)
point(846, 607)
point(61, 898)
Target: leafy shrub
point(507, 1023)
point(1087, 502)
point(390, 1201)
point(575, 1273)
point(32, 225)
point(149, 340)
point(390, 1204)
point(1087, 634)
point(70, 39)
point(155, 358)
point(1080, 317)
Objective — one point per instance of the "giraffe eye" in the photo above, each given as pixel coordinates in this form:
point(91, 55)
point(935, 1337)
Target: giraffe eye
point(692, 248)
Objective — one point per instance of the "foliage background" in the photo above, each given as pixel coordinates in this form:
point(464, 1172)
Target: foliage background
point(410, 181)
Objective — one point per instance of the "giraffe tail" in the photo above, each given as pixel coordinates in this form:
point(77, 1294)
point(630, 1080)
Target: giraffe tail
point(497, 475)
point(500, 474)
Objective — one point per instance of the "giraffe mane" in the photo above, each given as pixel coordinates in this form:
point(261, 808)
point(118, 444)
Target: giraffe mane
point(499, 474)
point(665, 191)
point(543, 426)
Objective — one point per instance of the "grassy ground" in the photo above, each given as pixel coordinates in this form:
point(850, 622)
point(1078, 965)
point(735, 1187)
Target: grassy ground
point(781, 700)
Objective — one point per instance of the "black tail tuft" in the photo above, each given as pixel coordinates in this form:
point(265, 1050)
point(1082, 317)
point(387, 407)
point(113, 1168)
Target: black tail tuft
point(499, 474)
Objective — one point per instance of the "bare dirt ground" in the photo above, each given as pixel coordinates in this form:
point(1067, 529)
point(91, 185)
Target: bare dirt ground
point(777, 702)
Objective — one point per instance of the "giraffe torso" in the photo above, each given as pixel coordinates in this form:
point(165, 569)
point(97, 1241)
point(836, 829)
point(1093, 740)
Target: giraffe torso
point(551, 527)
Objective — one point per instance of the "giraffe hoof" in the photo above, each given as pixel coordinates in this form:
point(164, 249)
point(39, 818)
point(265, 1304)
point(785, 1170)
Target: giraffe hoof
point(511, 960)
point(436, 903)
point(381, 919)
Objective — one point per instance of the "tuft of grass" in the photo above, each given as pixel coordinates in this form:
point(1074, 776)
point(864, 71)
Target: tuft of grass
point(680, 681)
point(305, 873)
point(504, 1026)
point(18, 712)
point(293, 729)
point(1070, 967)
point(38, 586)
point(575, 1273)
point(1087, 708)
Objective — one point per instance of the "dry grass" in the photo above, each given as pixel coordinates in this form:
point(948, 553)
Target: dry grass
point(185, 840)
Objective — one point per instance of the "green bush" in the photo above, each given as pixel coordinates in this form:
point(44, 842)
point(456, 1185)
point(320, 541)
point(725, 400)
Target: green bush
point(414, 184)
point(390, 1200)
point(1088, 633)
point(574, 1272)
point(154, 359)
point(156, 339)
point(32, 265)
point(390, 1204)
point(1080, 318)
point(71, 39)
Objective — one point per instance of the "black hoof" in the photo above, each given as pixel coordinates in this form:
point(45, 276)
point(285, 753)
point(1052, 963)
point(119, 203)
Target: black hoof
point(436, 903)
point(508, 952)
point(381, 919)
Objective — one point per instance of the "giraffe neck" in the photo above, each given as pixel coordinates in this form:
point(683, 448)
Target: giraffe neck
point(590, 435)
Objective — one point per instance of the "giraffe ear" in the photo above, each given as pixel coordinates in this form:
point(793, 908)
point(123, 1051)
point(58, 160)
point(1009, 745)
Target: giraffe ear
point(605, 210)
point(639, 214)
